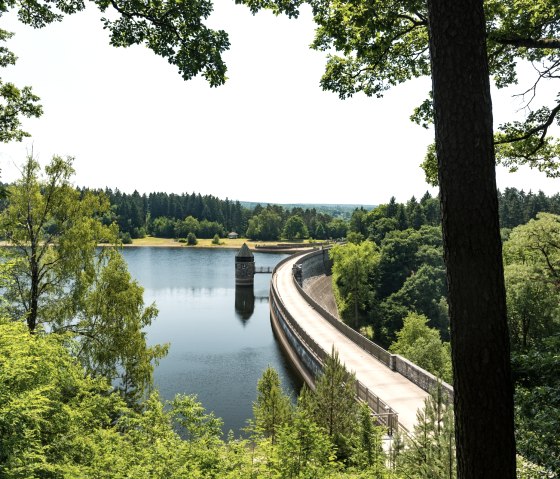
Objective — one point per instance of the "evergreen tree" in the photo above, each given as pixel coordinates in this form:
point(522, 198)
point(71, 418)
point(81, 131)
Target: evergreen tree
point(272, 409)
point(429, 452)
point(333, 406)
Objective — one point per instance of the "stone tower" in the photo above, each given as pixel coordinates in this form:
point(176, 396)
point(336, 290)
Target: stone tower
point(244, 267)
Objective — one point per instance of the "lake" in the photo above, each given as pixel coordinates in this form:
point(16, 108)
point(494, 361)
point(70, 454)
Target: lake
point(221, 341)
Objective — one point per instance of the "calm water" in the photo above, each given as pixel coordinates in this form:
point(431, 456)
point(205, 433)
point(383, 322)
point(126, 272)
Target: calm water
point(220, 341)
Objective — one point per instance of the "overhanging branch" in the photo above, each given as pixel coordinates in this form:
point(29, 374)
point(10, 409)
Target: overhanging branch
point(550, 43)
point(542, 129)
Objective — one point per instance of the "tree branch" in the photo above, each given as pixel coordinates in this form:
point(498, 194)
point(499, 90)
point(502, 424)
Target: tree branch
point(552, 43)
point(543, 128)
point(157, 22)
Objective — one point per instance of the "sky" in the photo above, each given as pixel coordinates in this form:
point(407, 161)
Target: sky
point(270, 134)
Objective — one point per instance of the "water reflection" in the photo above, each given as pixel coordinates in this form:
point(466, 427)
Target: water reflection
point(244, 302)
point(221, 339)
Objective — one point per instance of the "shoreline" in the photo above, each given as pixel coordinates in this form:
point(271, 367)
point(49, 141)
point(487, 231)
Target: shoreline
point(225, 243)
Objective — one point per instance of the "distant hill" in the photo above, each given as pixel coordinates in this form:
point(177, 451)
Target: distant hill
point(337, 211)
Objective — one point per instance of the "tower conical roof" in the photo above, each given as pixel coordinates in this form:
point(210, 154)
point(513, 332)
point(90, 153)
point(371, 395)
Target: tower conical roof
point(244, 252)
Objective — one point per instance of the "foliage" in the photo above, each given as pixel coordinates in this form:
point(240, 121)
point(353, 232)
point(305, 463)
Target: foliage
point(15, 102)
point(265, 226)
point(48, 409)
point(368, 453)
point(529, 470)
point(191, 239)
point(304, 450)
point(517, 207)
point(55, 232)
point(189, 225)
point(194, 424)
point(429, 453)
point(136, 214)
point(337, 228)
point(125, 238)
point(295, 228)
point(163, 227)
point(59, 277)
point(532, 306)
point(110, 323)
point(333, 405)
point(372, 47)
point(537, 243)
point(272, 409)
point(216, 240)
point(354, 266)
point(532, 257)
point(167, 215)
point(56, 421)
point(173, 30)
point(537, 403)
point(422, 345)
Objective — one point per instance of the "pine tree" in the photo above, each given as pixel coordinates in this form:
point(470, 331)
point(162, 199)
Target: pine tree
point(272, 408)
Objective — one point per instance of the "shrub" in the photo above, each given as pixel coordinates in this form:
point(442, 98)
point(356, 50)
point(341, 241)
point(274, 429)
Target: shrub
point(125, 238)
point(191, 239)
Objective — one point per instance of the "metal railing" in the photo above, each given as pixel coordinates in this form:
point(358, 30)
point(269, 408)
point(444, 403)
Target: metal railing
point(263, 269)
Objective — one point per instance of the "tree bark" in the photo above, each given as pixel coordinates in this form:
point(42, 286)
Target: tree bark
point(472, 245)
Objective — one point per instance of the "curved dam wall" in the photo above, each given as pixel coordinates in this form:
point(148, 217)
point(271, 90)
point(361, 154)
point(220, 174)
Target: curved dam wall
point(305, 354)
point(315, 278)
point(313, 264)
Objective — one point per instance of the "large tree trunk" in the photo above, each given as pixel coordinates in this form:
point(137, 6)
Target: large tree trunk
point(477, 308)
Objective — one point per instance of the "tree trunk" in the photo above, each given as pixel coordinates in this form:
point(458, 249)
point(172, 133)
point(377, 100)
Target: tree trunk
point(473, 256)
point(33, 312)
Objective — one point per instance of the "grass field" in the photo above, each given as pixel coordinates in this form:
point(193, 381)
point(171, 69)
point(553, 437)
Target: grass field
point(207, 243)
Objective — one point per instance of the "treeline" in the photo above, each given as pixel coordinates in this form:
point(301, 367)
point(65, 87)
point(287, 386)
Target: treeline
point(515, 208)
point(161, 214)
point(170, 215)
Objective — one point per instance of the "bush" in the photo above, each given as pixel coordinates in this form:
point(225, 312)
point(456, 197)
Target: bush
point(191, 239)
point(125, 238)
point(216, 239)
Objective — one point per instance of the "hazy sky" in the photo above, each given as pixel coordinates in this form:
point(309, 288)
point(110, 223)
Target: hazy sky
point(270, 134)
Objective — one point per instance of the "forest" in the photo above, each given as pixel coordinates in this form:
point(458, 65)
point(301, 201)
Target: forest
point(390, 284)
point(76, 370)
point(78, 390)
point(175, 216)
point(169, 215)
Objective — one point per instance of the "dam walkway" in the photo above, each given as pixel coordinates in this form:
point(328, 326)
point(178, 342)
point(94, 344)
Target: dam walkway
point(393, 387)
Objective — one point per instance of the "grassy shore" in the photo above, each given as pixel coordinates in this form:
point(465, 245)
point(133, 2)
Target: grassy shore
point(207, 243)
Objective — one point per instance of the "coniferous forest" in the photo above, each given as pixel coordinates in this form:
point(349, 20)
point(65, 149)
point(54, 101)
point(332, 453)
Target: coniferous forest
point(170, 215)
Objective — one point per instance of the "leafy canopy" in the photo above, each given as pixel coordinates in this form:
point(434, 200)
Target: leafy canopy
point(58, 280)
point(172, 29)
point(375, 45)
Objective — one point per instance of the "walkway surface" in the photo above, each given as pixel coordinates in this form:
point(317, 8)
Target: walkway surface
point(398, 392)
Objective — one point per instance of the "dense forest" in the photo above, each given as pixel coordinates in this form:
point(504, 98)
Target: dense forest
point(175, 216)
point(170, 215)
point(390, 284)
